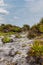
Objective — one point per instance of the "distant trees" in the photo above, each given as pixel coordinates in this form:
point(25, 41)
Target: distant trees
point(9, 28)
point(39, 27)
point(13, 28)
point(35, 29)
point(26, 27)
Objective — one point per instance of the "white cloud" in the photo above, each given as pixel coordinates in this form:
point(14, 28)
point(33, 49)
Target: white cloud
point(3, 11)
point(2, 3)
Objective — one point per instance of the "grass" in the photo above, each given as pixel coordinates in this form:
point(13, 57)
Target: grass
point(6, 39)
point(35, 54)
point(37, 49)
point(8, 33)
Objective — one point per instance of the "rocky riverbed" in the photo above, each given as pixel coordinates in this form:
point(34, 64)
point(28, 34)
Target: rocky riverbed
point(14, 53)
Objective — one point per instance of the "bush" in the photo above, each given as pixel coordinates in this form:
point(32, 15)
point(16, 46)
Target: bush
point(18, 36)
point(31, 35)
point(35, 54)
point(37, 49)
point(6, 40)
point(25, 27)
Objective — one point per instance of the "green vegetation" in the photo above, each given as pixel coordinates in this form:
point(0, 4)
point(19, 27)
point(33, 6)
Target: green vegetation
point(25, 27)
point(34, 31)
point(6, 33)
point(35, 54)
point(37, 49)
point(31, 35)
point(6, 39)
point(39, 27)
point(9, 28)
point(18, 36)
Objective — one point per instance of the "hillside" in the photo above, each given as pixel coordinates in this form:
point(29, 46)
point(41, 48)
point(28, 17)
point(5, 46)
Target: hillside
point(21, 45)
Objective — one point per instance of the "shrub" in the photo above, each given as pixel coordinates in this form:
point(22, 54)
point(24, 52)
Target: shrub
point(26, 27)
point(18, 36)
point(35, 54)
point(31, 35)
point(37, 49)
point(6, 40)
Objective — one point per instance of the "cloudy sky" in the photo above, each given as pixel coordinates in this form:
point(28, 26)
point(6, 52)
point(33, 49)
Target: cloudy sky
point(19, 12)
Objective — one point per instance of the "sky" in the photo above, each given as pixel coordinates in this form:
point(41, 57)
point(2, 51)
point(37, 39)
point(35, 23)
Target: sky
point(20, 12)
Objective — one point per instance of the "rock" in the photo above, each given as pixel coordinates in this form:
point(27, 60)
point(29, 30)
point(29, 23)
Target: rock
point(15, 52)
point(34, 60)
point(12, 52)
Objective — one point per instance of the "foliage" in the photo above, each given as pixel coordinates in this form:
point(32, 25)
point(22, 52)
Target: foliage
point(9, 28)
point(25, 27)
point(36, 30)
point(6, 33)
point(41, 28)
point(37, 49)
point(6, 39)
point(31, 35)
point(35, 54)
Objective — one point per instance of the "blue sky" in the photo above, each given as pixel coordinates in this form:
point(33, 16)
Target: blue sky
point(19, 12)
